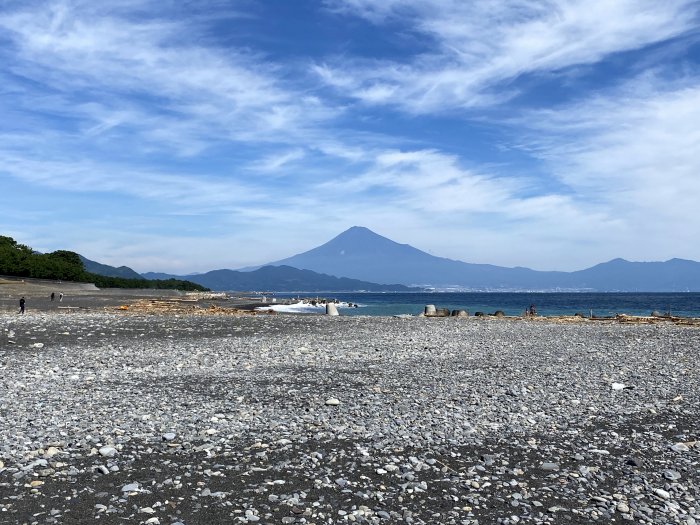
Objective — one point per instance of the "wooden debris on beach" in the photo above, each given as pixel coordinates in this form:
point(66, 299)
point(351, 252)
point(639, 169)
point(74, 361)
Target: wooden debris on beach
point(620, 318)
point(180, 307)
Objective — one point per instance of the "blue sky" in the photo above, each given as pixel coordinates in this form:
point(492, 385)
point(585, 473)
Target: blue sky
point(188, 136)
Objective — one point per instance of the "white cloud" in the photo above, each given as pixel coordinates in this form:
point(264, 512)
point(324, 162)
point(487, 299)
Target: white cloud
point(476, 47)
point(460, 212)
point(197, 191)
point(632, 152)
point(273, 163)
point(158, 77)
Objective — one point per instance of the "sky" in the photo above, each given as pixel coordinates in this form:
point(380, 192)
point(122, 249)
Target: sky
point(184, 136)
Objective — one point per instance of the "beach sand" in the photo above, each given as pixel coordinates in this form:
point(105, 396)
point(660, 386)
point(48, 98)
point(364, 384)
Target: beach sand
point(109, 417)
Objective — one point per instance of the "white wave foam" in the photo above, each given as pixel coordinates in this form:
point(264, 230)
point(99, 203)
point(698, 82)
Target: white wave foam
point(301, 307)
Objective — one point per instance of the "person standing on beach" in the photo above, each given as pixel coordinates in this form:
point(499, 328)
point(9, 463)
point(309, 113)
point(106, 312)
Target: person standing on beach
point(53, 296)
point(60, 297)
point(21, 305)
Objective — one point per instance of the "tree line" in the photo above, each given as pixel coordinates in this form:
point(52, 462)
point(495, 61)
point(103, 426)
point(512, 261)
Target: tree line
point(19, 260)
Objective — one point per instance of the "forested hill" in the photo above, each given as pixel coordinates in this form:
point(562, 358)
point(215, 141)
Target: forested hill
point(21, 261)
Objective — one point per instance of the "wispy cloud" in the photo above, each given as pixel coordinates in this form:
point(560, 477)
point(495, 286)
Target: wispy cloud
point(477, 48)
point(147, 74)
point(202, 192)
point(273, 163)
point(633, 152)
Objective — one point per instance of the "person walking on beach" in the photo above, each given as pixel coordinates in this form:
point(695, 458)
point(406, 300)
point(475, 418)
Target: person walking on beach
point(53, 296)
point(60, 297)
point(21, 305)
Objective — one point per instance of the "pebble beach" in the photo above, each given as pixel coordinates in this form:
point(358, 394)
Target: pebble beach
point(179, 419)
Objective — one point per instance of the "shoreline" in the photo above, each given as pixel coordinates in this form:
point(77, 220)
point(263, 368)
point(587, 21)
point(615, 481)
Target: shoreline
point(81, 296)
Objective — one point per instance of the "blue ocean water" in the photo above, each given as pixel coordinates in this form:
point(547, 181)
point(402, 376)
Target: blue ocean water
point(600, 304)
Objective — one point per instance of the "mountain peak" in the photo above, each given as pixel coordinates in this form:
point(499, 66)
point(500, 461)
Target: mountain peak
point(358, 232)
point(357, 241)
point(360, 253)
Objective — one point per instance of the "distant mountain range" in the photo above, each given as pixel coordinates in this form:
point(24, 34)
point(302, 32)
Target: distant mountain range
point(358, 258)
point(109, 271)
point(282, 279)
point(362, 254)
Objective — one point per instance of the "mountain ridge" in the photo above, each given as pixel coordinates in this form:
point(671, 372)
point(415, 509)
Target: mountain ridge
point(361, 253)
point(365, 256)
point(109, 271)
point(284, 279)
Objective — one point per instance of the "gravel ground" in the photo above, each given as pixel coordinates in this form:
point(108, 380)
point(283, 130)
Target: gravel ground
point(108, 418)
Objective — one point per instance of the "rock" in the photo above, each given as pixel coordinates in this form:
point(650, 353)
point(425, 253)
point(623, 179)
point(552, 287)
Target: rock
point(662, 493)
point(623, 508)
point(147, 510)
point(635, 462)
point(487, 459)
point(108, 452)
point(672, 475)
point(429, 310)
point(550, 466)
point(168, 436)
point(131, 487)
point(51, 452)
point(332, 401)
point(680, 447)
point(37, 345)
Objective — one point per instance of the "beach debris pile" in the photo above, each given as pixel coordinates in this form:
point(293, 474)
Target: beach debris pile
point(181, 307)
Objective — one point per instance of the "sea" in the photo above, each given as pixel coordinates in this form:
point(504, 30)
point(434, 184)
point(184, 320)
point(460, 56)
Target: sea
point(549, 304)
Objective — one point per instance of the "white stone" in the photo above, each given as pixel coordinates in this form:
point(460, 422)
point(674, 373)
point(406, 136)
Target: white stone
point(680, 447)
point(51, 452)
point(662, 493)
point(108, 452)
